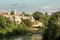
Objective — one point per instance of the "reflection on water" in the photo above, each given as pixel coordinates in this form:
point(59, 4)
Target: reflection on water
point(33, 37)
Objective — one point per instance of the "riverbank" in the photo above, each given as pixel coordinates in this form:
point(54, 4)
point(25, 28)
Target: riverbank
point(25, 37)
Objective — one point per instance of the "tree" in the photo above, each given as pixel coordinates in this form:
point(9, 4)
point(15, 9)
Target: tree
point(21, 29)
point(12, 12)
point(46, 13)
point(27, 22)
point(46, 19)
point(41, 17)
point(5, 25)
point(25, 14)
point(53, 30)
point(38, 16)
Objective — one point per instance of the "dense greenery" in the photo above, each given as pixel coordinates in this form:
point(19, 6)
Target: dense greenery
point(51, 22)
point(46, 19)
point(23, 27)
point(41, 17)
point(27, 22)
point(53, 30)
point(5, 25)
point(38, 16)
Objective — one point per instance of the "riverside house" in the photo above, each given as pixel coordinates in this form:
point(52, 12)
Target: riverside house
point(18, 18)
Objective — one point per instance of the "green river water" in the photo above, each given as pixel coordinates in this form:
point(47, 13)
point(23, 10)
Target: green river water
point(33, 37)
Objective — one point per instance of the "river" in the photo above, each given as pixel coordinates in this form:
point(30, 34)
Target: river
point(33, 37)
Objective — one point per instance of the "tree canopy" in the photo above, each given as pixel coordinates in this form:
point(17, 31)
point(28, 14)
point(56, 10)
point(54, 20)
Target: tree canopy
point(5, 25)
point(27, 22)
point(38, 16)
point(53, 30)
point(12, 12)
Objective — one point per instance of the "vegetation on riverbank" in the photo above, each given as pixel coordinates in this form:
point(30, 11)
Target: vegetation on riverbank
point(50, 26)
point(52, 32)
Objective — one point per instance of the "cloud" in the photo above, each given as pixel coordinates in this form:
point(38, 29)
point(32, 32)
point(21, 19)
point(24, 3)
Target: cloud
point(46, 7)
point(14, 4)
point(18, 4)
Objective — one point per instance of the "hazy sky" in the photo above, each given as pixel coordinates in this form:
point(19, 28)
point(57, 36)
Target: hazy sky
point(30, 6)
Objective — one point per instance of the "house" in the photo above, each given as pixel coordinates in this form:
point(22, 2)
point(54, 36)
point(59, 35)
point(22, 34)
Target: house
point(18, 18)
point(5, 13)
point(15, 18)
point(32, 19)
point(22, 16)
point(37, 24)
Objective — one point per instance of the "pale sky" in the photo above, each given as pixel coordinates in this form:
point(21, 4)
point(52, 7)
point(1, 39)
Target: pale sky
point(30, 6)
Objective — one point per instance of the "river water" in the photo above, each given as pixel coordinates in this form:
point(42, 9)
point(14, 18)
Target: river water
point(33, 37)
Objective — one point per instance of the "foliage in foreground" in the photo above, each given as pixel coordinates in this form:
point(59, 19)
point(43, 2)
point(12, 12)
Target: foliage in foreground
point(5, 25)
point(53, 30)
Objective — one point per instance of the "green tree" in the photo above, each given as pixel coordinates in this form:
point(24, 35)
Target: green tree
point(27, 22)
point(53, 30)
point(46, 13)
point(38, 16)
point(21, 29)
point(5, 25)
point(12, 12)
point(46, 19)
point(25, 14)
